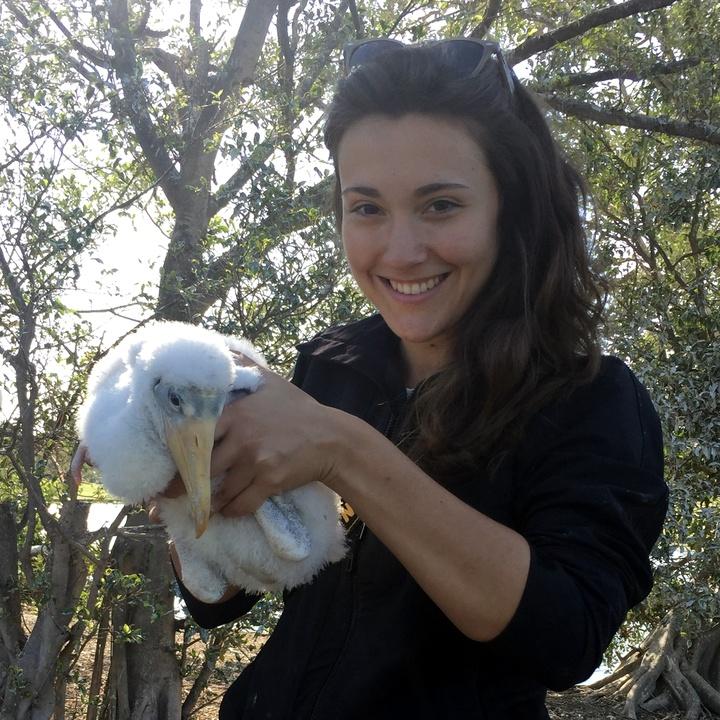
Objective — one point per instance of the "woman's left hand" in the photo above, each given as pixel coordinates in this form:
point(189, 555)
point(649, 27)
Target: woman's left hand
point(270, 441)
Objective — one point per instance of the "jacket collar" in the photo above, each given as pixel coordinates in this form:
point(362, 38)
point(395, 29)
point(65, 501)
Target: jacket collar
point(368, 346)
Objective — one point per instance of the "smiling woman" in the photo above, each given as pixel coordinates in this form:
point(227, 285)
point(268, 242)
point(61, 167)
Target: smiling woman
point(505, 479)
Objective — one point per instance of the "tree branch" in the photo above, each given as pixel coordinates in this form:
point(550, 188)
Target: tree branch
point(693, 129)
point(134, 102)
point(94, 56)
point(492, 10)
point(323, 58)
point(357, 20)
point(214, 285)
point(579, 79)
point(195, 10)
point(259, 155)
point(240, 65)
point(262, 152)
point(540, 43)
point(23, 19)
point(215, 101)
point(169, 64)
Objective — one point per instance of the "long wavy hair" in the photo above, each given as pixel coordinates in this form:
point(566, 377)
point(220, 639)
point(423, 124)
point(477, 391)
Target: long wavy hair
point(532, 333)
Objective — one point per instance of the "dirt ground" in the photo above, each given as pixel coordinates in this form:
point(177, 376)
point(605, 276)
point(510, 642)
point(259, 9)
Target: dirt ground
point(581, 703)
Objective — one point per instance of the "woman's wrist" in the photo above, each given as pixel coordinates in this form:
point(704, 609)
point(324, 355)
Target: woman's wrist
point(353, 442)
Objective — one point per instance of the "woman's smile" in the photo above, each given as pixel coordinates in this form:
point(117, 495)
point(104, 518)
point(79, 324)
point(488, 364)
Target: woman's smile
point(415, 289)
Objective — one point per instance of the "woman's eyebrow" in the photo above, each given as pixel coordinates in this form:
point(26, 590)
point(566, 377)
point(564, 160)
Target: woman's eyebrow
point(362, 190)
point(423, 190)
point(437, 187)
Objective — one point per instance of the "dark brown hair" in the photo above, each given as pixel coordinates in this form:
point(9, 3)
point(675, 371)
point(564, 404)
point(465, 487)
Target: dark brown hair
point(532, 333)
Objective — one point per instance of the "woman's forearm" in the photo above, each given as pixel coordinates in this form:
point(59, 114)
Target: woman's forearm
point(473, 567)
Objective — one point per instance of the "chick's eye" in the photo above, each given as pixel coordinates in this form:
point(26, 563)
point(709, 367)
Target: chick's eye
point(174, 398)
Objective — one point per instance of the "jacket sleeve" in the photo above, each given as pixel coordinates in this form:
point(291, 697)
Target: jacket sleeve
point(211, 615)
point(590, 500)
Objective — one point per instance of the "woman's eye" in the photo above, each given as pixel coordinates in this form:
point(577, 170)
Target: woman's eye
point(442, 206)
point(366, 209)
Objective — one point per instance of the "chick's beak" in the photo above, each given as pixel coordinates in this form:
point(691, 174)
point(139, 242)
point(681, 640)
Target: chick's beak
point(190, 442)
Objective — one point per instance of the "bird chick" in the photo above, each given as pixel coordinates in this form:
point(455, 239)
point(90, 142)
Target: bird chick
point(150, 412)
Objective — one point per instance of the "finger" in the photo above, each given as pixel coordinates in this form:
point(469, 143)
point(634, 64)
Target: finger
point(232, 485)
point(228, 453)
point(153, 512)
point(244, 360)
point(246, 503)
point(79, 459)
point(175, 488)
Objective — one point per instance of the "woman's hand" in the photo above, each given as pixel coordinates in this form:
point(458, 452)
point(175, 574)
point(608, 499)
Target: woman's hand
point(270, 441)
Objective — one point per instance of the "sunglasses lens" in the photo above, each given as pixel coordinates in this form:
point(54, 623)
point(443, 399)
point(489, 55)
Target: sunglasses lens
point(462, 55)
point(368, 51)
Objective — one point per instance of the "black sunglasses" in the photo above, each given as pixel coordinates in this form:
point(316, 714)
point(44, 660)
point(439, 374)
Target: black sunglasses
point(467, 56)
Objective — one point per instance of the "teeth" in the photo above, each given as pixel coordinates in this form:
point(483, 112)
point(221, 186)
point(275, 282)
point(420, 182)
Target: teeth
point(415, 288)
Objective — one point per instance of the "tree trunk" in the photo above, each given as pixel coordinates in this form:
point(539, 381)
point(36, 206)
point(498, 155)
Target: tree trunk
point(666, 672)
point(29, 693)
point(12, 637)
point(144, 678)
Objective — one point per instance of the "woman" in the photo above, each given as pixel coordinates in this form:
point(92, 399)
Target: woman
point(496, 551)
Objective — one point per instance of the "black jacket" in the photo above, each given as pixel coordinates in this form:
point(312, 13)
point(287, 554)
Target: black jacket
point(364, 641)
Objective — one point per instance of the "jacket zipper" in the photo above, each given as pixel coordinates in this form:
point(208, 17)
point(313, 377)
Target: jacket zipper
point(350, 567)
point(352, 556)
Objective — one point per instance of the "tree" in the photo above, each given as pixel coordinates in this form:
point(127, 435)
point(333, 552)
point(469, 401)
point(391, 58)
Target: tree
point(223, 121)
point(49, 215)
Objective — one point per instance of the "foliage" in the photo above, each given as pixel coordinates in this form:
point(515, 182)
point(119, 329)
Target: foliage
point(116, 109)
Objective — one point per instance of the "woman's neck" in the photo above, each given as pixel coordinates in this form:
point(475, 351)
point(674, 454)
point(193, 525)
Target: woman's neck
point(423, 360)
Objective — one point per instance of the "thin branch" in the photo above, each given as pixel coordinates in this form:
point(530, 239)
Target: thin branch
point(303, 93)
point(135, 103)
point(259, 155)
point(110, 309)
point(195, 10)
point(540, 43)
point(91, 77)
point(410, 7)
point(19, 153)
point(357, 20)
point(94, 56)
point(579, 79)
point(692, 129)
point(492, 10)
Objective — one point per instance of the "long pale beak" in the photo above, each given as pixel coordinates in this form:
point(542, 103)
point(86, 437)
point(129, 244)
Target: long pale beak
point(190, 442)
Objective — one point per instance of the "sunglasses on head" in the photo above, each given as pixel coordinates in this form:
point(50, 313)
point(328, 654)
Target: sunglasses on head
point(467, 56)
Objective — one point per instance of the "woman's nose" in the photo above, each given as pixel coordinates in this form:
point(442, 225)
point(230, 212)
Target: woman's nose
point(405, 244)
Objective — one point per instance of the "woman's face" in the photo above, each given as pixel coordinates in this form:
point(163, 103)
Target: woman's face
point(419, 226)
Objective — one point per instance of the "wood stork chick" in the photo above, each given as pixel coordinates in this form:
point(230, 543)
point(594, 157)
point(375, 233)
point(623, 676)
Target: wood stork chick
point(151, 410)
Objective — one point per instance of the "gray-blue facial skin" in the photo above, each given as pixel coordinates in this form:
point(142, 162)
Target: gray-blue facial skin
point(184, 402)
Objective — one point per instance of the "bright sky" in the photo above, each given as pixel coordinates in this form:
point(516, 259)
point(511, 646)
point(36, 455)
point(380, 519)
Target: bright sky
point(114, 273)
